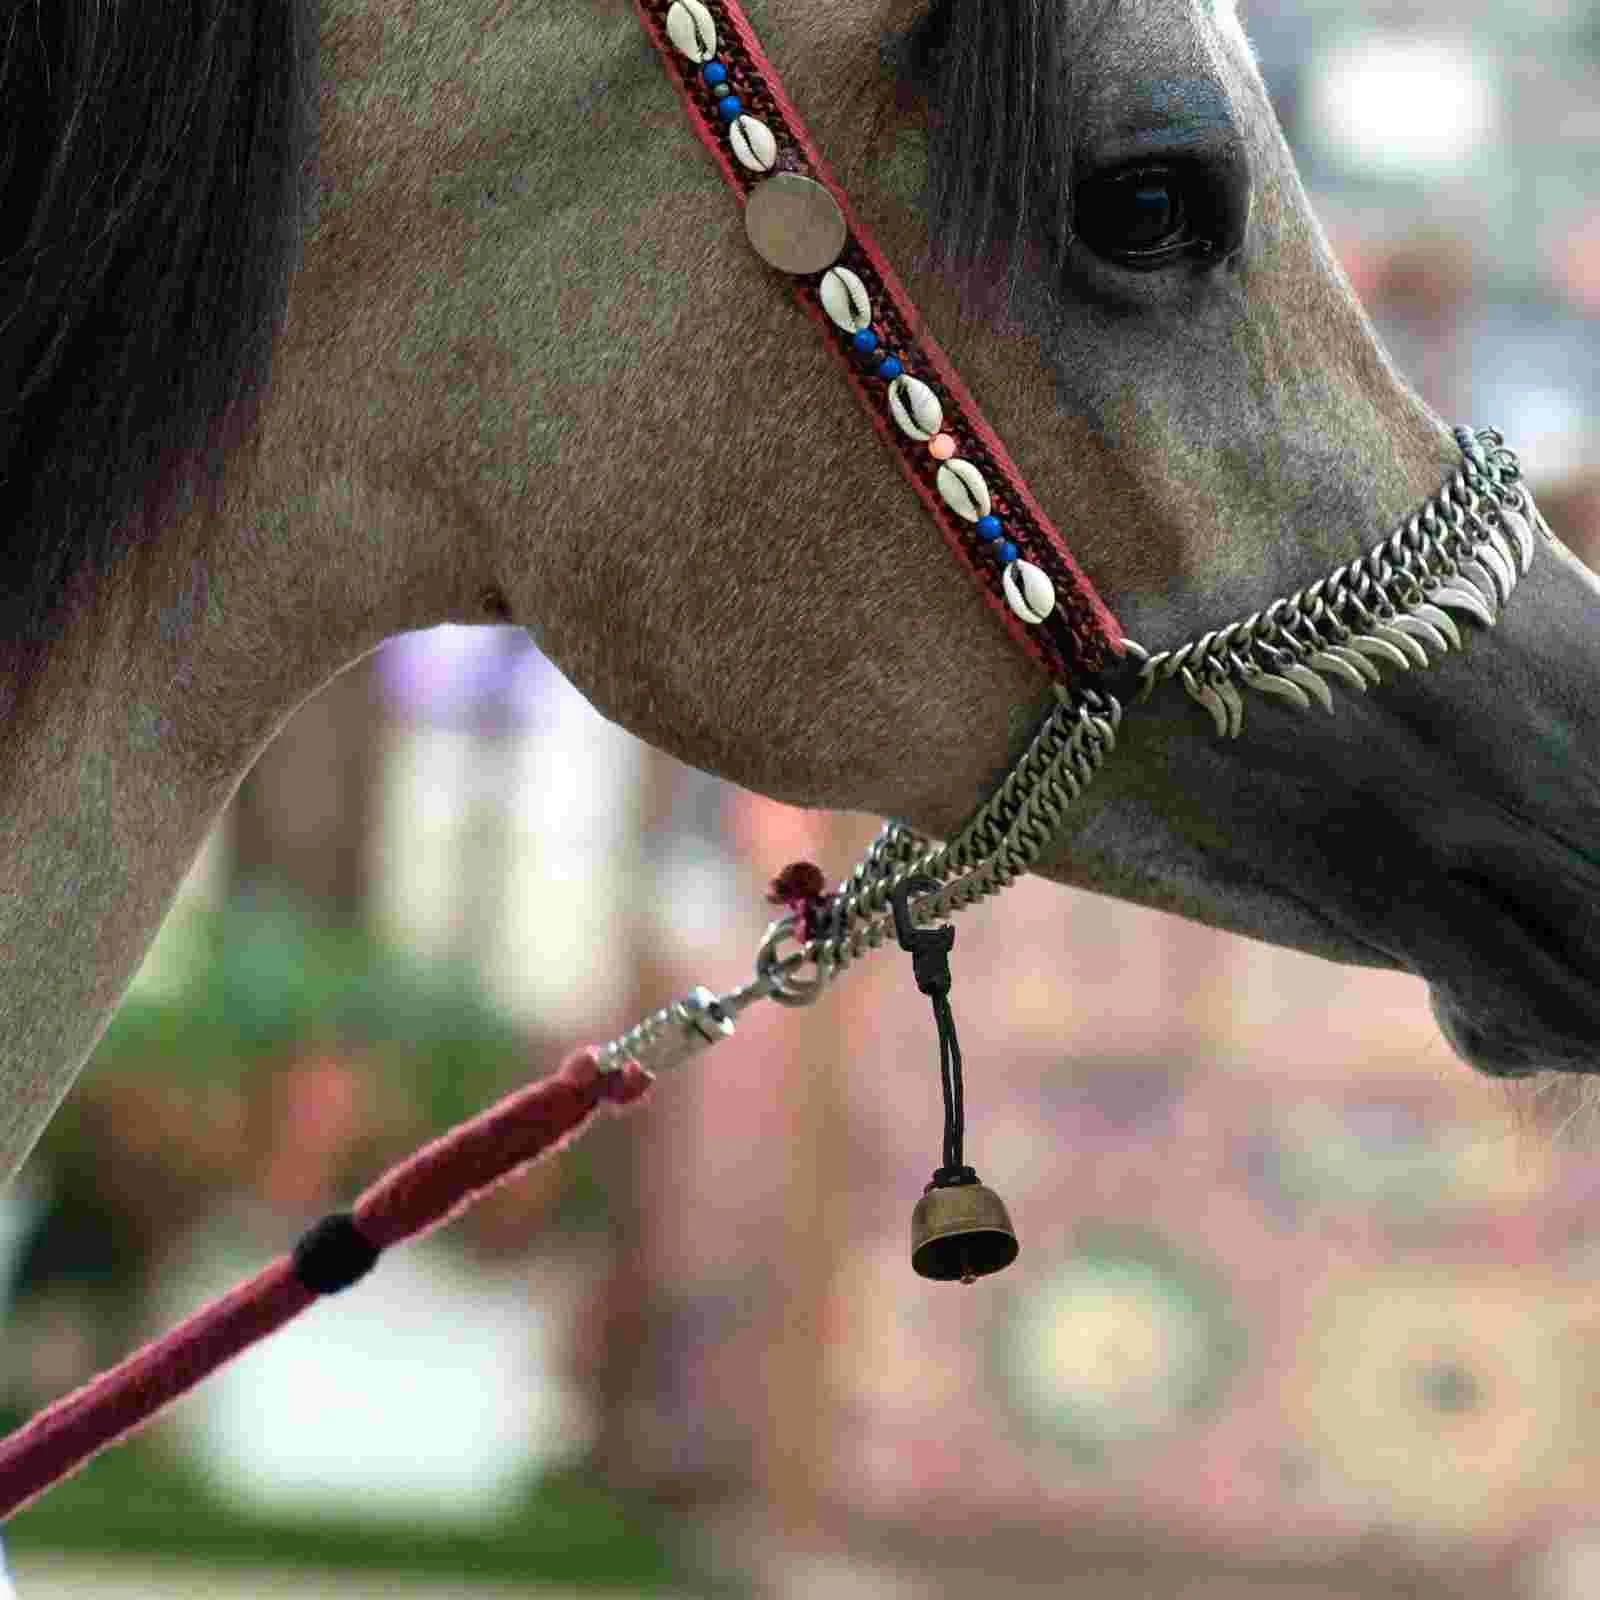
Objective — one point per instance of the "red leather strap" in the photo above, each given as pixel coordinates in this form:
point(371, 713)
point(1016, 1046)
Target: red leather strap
point(1080, 635)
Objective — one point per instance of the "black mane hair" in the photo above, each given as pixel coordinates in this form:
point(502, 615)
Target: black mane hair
point(157, 173)
point(998, 83)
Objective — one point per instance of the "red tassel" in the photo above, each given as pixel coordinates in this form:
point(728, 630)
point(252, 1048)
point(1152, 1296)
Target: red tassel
point(800, 889)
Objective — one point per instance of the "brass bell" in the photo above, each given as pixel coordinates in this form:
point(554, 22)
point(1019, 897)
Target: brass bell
point(961, 1230)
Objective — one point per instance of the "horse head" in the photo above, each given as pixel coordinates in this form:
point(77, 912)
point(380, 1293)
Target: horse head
point(525, 367)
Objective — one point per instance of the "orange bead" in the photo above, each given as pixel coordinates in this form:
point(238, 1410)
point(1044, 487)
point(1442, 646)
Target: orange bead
point(941, 447)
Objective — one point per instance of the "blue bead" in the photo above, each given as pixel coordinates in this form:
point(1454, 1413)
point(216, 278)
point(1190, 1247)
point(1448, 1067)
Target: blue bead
point(866, 341)
point(1006, 552)
point(714, 72)
point(730, 106)
point(988, 527)
point(889, 368)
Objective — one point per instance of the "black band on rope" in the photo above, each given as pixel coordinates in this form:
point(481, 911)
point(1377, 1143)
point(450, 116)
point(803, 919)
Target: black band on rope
point(333, 1253)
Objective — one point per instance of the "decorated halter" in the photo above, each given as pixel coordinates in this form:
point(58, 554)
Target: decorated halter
point(1462, 552)
point(1459, 556)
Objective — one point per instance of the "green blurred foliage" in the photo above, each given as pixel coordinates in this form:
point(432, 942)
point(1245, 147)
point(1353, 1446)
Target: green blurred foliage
point(566, 1528)
point(268, 979)
point(273, 977)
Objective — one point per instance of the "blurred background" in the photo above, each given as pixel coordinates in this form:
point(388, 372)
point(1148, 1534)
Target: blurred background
point(1299, 1311)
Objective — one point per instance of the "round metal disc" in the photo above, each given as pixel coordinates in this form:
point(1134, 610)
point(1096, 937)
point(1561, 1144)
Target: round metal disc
point(794, 223)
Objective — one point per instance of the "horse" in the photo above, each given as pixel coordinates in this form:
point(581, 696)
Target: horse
point(321, 323)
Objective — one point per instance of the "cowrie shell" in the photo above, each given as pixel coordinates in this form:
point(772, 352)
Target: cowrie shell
point(915, 407)
point(693, 29)
point(1029, 592)
point(753, 143)
point(963, 488)
point(845, 299)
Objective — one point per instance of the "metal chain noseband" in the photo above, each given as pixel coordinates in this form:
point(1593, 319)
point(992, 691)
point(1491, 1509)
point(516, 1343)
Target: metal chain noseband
point(1463, 552)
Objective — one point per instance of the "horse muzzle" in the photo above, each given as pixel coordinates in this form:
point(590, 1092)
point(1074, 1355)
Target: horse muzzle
point(1505, 1044)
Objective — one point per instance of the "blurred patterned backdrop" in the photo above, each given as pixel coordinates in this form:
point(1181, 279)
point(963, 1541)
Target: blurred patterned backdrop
point(1294, 1284)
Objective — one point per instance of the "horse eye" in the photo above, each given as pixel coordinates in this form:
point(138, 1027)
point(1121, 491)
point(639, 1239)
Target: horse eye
point(1139, 219)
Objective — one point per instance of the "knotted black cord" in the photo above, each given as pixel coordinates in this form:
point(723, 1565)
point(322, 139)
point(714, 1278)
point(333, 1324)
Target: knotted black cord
point(952, 1171)
point(930, 962)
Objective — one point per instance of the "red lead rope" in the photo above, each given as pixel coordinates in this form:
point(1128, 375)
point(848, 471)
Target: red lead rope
point(416, 1195)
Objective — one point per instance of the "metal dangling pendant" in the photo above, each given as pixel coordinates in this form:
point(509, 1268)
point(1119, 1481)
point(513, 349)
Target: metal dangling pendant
point(959, 1229)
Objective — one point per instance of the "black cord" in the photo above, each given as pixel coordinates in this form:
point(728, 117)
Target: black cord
point(930, 961)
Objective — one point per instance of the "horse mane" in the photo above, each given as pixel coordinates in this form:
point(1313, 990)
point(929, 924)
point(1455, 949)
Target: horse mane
point(157, 175)
point(999, 85)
